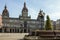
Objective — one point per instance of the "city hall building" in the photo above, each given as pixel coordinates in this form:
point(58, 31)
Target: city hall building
point(23, 23)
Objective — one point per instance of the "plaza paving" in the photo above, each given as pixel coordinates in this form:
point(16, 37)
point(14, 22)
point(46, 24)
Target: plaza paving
point(12, 36)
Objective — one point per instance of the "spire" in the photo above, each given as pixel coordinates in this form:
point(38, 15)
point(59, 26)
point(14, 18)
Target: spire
point(5, 6)
point(24, 5)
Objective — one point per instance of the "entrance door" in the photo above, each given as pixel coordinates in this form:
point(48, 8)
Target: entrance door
point(25, 30)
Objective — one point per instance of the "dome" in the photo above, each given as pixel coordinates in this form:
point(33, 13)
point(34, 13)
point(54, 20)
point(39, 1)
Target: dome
point(5, 10)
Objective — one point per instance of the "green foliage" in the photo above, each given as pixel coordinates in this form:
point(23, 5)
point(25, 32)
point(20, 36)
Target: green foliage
point(48, 25)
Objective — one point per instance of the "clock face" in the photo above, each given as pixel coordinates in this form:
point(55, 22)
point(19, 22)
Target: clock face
point(24, 12)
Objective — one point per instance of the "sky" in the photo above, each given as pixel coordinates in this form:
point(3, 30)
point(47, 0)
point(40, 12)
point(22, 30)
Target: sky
point(49, 7)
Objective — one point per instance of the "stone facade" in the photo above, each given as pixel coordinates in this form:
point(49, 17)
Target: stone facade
point(53, 23)
point(58, 24)
point(22, 24)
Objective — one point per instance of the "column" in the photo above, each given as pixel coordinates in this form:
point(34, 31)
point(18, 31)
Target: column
point(35, 33)
point(3, 30)
point(23, 30)
point(19, 30)
point(11, 30)
point(14, 30)
point(8, 29)
point(27, 30)
point(30, 32)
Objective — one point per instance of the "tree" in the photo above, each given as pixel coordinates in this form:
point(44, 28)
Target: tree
point(48, 25)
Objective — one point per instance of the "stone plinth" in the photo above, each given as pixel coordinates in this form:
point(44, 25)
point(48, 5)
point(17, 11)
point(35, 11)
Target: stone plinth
point(43, 35)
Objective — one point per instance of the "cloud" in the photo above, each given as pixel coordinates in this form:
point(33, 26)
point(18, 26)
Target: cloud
point(52, 8)
point(33, 13)
point(55, 16)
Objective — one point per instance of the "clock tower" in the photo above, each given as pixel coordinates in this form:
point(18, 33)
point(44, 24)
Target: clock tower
point(5, 13)
point(25, 11)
